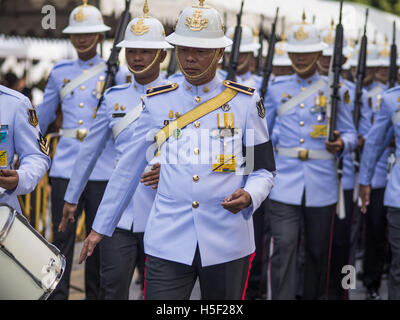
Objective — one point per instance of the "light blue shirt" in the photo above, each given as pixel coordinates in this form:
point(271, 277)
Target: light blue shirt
point(176, 226)
point(78, 110)
point(118, 101)
point(375, 146)
point(317, 178)
point(20, 136)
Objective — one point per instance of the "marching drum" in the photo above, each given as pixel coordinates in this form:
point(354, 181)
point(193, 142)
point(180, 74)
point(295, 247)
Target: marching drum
point(30, 267)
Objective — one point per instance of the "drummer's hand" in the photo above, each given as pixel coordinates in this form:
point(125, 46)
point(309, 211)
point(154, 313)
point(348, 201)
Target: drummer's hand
point(151, 178)
point(9, 179)
point(89, 244)
point(335, 146)
point(68, 215)
point(364, 193)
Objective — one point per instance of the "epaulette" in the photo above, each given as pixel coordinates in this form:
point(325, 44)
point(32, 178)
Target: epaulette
point(161, 89)
point(239, 87)
point(118, 87)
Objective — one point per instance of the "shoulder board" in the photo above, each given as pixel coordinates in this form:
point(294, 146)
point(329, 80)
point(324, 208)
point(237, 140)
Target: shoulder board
point(161, 89)
point(118, 87)
point(63, 63)
point(239, 87)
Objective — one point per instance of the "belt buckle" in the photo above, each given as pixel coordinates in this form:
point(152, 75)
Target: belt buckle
point(302, 154)
point(81, 134)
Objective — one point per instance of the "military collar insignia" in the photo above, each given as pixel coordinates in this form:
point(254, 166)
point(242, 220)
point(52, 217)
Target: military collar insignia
point(196, 23)
point(226, 107)
point(239, 87)
point(161, 89)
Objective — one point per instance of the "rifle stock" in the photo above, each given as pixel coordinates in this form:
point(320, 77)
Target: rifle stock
point(267, 70)
point(393, 59)
point(112, 62)
point(335, 73)
point(235, 52)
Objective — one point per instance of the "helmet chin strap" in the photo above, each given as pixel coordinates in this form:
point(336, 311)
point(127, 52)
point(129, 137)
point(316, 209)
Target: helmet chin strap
point(306, 69)
point(151, 65)
point(201, 75)
point(90, 47)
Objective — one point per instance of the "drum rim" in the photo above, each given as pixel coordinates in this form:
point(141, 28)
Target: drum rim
point(9, 222)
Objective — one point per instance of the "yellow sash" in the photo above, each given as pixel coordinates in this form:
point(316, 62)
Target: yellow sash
point(163, 135)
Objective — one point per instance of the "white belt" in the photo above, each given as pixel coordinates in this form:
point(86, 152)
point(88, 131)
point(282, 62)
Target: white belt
point(305, 154)
point(77, 133)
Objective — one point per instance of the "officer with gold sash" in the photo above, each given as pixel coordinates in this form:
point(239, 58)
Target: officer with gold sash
point(306, 187)
point(145, 49)
point(76, 86)
point(200, 225)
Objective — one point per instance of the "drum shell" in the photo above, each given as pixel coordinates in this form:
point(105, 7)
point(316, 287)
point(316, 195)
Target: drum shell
point(31, 266)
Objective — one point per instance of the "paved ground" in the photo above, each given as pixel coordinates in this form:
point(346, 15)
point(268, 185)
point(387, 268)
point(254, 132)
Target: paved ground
point(77, 277)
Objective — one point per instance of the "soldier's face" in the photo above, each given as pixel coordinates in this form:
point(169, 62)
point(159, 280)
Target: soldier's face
point(303, 61)
point(244, 62)
point(382, 74)
point(85, 41)
point(324, 62)
point(198, 62)
point(139, 59)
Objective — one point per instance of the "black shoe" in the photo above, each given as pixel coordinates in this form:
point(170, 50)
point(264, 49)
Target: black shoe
point(373, 294)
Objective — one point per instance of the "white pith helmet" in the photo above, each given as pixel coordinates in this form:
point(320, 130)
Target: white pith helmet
point(372, 56)
point(247, 43)
point(200, 27)
point(85, 19)
point(328, 37)
point(145, 33)
point(304, 38)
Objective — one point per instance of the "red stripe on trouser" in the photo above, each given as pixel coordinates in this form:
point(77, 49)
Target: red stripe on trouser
point(248, 274)
point(144, 281)
point(330, 253)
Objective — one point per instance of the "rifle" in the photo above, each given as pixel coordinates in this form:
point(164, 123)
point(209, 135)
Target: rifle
point(267, 70)
point(235, 53)
point(334, 76)
point(172, 63)
point(393, 59)
point(260, 51)
point(112, 62)
point(360, 74)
